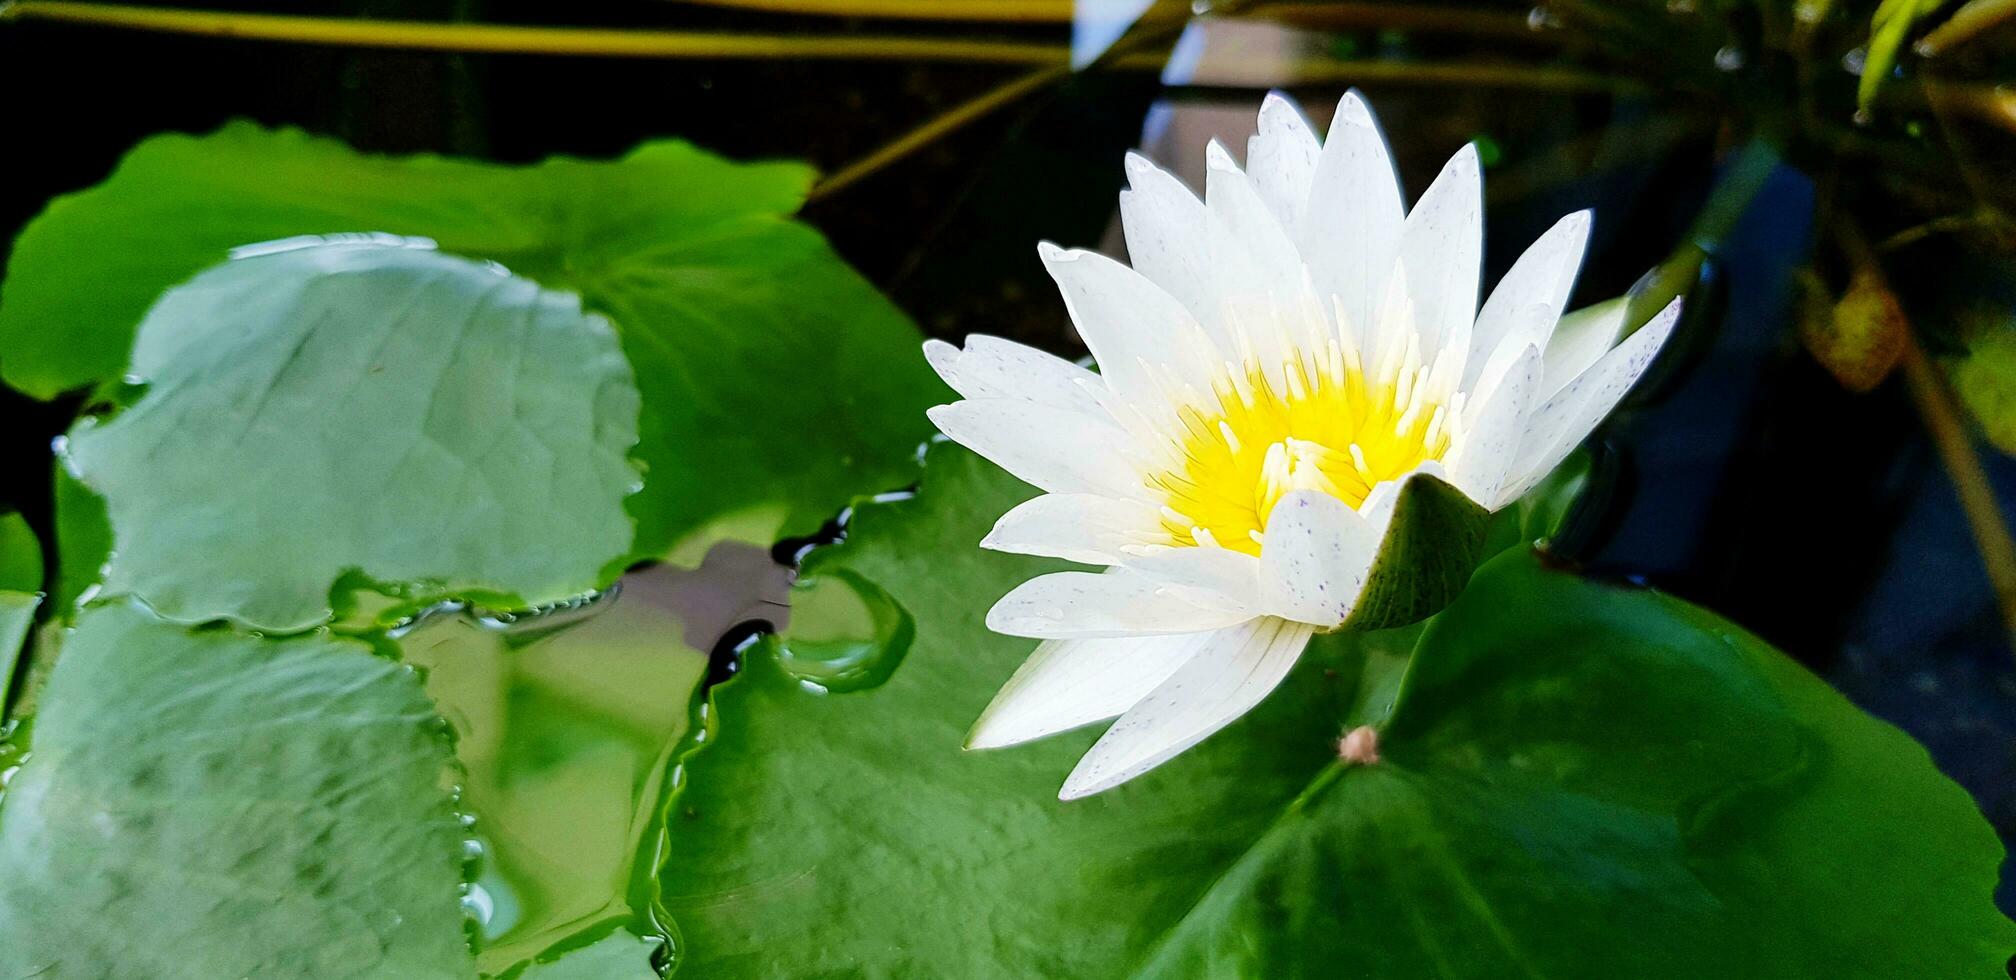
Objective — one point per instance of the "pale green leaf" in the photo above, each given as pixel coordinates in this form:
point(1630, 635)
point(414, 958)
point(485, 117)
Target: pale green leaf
point(207, 804)
point(370, 410)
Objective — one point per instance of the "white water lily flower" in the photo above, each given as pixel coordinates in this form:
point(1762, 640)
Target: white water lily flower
point(1294, 375)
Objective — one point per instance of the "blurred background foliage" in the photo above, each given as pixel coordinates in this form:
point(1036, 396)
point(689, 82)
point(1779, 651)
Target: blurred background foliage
point(1824, 461)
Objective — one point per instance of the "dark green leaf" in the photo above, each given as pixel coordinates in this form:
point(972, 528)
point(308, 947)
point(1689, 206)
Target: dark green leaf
point(1435, 541)
point(206, 804)
point(83, 538)
point(363, 409)
point(776, 382)
point(1579, 781)
point(20, 555)
point(17, 617)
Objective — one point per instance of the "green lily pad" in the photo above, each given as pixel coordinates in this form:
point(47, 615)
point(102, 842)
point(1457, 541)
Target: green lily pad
point(619, 956)
point(83, 539)
point(776, 382)
point(363, 409)
point(17, 617)
point(20, 555)
point(208, 804)
point(1577, 781)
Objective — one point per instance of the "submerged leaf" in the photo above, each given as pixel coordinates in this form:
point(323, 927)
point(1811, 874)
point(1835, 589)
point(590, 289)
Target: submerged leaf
point(1986, 381)
point(207, 804)
point(619, 956)
point(1579, 781)
point(1861, 336)
point(363, 409)
point(776, 382)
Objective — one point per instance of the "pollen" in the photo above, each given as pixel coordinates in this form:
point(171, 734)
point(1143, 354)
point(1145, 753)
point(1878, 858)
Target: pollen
point(1317, 423)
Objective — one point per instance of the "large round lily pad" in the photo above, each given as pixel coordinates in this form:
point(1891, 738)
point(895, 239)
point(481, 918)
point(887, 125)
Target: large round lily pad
point(370, 410)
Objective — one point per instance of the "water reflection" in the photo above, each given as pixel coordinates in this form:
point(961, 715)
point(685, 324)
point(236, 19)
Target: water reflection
point(567, 723)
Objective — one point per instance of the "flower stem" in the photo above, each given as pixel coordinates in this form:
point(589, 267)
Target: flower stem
point(1395, 16)
point(521, 39)
point(937, 128)
point(1971, 21)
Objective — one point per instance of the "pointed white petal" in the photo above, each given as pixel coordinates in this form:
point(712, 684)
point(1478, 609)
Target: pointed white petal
point(1081, 527)
point(991, 367)
point(1068, 683)
point(1281, 157)
point(1315, 558)
point(1579, 340)
point(1565, 419)
point(944, 359)
point(1543, 276)
point(1072, 605)
point(1351, 229)
point(1138, 333)
point(1271, 302)
point(1533, 322)
point(1480, 461)
point(1236, 670)
point(1255, 232)
point(1168, 238)
point(1232, 574)
point(1053, 449)
point(1442, 250)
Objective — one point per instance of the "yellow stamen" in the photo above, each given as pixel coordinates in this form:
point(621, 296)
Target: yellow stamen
point(1318, 425)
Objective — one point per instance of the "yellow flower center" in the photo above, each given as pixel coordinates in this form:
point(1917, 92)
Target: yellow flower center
point(1330, 430)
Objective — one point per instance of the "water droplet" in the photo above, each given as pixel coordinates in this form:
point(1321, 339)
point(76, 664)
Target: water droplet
point(1854, 60)
point(1730, 58)
point(1541, 19)
point(845, 633)
point(477, 904)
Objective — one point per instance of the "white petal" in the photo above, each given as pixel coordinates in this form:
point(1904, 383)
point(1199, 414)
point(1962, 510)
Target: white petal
point(1140, 335)
point(1077, 527)
point(1351, 229)
point(1168, 239)
point(1236, 670)
point(1579, 340)
point(1270, 301)
point(1068, 683)
point(1315, 558)
point(1442, 251)
point(1479, 463)
point(1533, 322)
point(991, 367)
point(1543, 276)
point(1222, 571)
point(1564, 420)
point(1281, 157)
point(1054, 449)
point(1072, 605)
point(944, 359)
